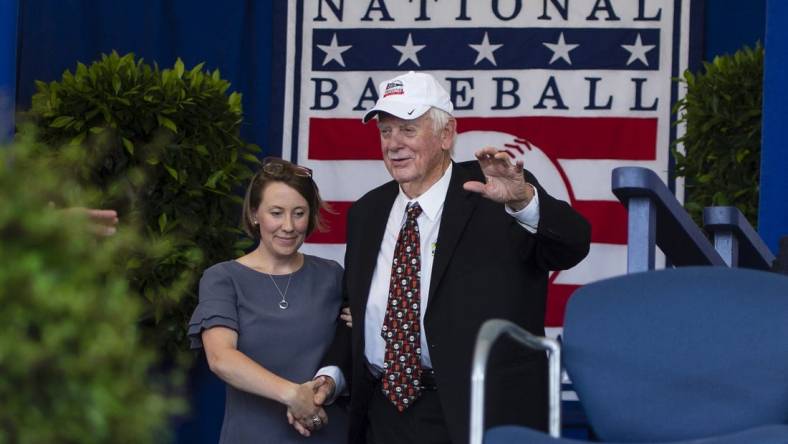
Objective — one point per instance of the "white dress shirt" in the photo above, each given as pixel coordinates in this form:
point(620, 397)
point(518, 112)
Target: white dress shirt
point(429, 222)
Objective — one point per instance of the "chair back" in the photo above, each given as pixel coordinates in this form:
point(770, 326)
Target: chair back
point(679, 353)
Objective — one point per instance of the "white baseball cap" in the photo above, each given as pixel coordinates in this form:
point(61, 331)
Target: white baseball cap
point(410, 95)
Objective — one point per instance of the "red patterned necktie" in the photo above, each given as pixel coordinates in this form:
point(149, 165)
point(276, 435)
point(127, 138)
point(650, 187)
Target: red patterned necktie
point(401, 324)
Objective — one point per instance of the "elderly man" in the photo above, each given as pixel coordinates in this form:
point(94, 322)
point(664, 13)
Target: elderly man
point(430, 256)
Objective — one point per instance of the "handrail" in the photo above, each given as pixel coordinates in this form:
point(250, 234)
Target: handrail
point(656, 217)
point(736, 240)
point(491, 330)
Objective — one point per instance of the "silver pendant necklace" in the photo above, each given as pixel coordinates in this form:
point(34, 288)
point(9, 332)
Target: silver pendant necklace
point(283, 303)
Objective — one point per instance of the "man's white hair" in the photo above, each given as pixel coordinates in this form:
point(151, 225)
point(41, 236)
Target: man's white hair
point(440, 119)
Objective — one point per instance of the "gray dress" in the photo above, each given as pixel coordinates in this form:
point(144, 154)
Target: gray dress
point(289, 343)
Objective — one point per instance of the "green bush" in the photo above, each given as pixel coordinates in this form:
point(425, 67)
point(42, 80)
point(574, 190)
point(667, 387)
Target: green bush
point(164, 147)
point(722, 143)
point(72, 367)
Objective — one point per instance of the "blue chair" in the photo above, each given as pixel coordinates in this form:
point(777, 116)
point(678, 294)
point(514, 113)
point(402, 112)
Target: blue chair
point(676, 355)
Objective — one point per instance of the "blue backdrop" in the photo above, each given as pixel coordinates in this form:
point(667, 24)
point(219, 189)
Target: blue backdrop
point(773, 208)
point(233, 36)
point(731, 24)
point(8, 19)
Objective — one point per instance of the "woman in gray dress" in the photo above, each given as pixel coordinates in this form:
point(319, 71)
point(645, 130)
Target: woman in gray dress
point(266, 318)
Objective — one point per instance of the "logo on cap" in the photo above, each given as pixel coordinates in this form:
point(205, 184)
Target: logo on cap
point(394, 88)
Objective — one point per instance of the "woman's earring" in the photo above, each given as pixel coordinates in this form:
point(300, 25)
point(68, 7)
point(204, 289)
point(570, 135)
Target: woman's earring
point(254, 222)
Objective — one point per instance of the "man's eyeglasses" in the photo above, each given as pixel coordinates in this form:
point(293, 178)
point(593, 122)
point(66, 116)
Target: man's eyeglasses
point(276, 167)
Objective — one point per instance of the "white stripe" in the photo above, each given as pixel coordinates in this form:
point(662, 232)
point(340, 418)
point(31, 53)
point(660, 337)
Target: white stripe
point(327, 251)
point(347, 180)
point(569, 395)
point(592, 179)
point(603, 261)
point(287, 112)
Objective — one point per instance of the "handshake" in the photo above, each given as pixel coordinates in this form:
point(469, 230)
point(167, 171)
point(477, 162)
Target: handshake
point(305, 404)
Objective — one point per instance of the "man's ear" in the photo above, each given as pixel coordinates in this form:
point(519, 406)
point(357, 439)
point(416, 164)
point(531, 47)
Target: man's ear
point(448, 134)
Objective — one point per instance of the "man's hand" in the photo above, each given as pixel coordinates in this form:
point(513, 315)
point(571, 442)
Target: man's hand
point(324, 389)
point(504, 180)
point(303, 413)
point(101, 222)
point(346, 316)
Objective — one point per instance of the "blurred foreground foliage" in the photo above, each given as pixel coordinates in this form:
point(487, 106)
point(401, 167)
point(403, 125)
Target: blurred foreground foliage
point(73, 368)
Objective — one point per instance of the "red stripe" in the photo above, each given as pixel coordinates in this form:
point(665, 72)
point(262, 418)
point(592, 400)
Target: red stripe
point(608, 222)
point(335, 221)
point(625, 138)
point(343, 139)
point(557, 297)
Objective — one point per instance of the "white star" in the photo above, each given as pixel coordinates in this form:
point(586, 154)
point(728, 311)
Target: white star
point(334, 51)
point(638, 51)
point(485, 50)
point(409, 51)
point(561, 49)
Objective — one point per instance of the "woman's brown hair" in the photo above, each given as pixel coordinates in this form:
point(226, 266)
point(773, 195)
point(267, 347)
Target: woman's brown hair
point(297, 177)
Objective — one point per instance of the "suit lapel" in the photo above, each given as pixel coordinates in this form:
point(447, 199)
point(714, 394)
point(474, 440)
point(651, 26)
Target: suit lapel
point(457, 209)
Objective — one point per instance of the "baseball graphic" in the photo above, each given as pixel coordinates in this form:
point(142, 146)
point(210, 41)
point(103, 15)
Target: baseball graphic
point(534, 159)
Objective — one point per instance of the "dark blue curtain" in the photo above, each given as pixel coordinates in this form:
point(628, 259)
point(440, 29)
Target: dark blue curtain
point(773, 208)
point(8, 19)
point(233, 36)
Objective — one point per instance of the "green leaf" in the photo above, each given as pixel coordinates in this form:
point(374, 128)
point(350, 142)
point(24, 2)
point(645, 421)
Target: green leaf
point(173, 172)
point(129, 145)
point(166, 122)
point(235, 101)
point(741, 154)
point(211, 182)
point(196, 69)
point(77, 140)
point(162, 222)
point(82, 70)
point(179, 68)
point(250, 158)
point(61, 121)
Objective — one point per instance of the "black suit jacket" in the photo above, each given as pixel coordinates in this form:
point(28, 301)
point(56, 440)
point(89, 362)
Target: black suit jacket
point(486, 266)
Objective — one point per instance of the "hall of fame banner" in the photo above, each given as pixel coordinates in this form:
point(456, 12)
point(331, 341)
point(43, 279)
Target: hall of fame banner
point(575, 88)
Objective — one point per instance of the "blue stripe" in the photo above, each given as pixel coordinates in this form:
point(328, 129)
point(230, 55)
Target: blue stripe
point(447, 48)
point(296, 80)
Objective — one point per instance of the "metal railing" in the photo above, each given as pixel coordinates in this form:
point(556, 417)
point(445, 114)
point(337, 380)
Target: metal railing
point(735, 239)
point(488, 334)
point(656, 218)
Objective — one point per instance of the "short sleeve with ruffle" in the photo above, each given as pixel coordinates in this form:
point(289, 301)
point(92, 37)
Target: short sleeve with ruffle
point(217, 306)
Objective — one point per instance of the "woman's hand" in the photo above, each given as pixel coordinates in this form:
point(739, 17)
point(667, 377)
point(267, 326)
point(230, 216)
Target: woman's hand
point(346, 316)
